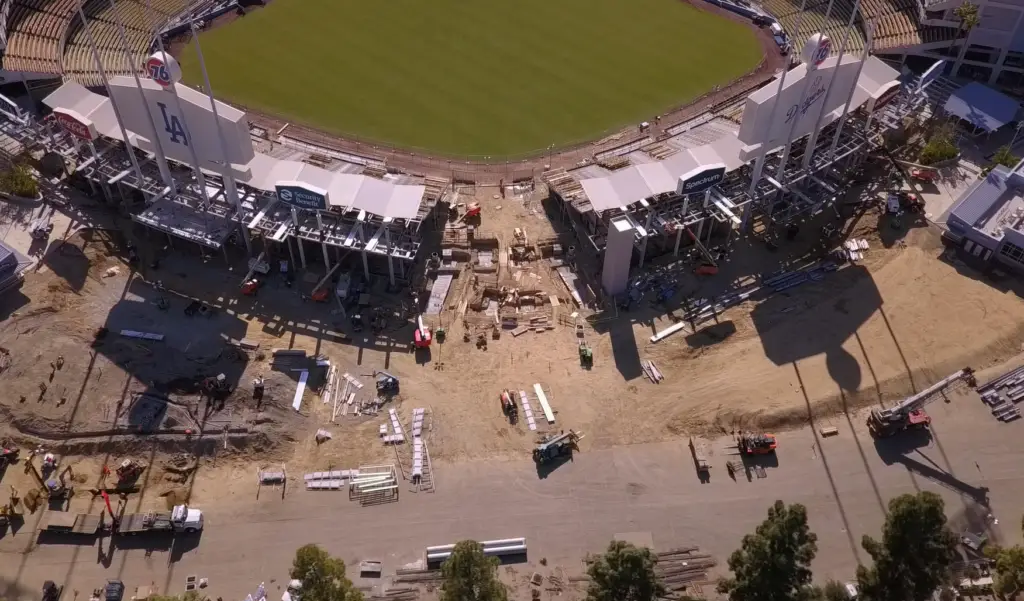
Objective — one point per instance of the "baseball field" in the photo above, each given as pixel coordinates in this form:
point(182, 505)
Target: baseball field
point(481, 78)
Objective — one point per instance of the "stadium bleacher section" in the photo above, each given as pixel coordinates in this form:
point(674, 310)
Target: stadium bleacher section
point(140, 25)
point(813, 21)
point(896, 23)
point(47, 36)
point(35, 35)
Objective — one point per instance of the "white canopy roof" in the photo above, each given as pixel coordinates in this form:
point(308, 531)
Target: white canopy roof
point(640, 182)
point(345, 190)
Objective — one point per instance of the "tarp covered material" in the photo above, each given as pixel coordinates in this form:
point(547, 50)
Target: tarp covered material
point(982, 107)
point(345, 190)
point(12, 265)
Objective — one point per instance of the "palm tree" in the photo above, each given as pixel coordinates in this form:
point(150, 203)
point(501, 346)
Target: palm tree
point(1004, 156)
point(967, 14)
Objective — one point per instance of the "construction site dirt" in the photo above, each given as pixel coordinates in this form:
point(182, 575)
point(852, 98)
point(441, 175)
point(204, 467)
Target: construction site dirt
point(906, 314)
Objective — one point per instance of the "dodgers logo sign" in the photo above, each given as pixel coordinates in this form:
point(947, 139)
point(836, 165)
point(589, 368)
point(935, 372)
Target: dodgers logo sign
point(173, 126)
point(702, 181)
point(302, 197)
point(158, 71)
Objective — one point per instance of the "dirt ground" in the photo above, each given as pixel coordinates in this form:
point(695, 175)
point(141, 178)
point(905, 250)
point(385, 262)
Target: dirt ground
point(906, 315)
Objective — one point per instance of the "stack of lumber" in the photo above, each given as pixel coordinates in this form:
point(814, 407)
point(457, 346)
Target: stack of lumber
point(289, 360)
point(651, 371)
point(614, 163)
point(417, 575)
point(683, 568)
point(541, 324)
point(659, 151)
point(407, 593)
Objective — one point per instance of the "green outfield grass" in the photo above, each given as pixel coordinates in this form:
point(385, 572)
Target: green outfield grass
point(472, 77)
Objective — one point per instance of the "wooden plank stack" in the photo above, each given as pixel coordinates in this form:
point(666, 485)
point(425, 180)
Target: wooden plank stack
point(683, 568)
point(651, 371)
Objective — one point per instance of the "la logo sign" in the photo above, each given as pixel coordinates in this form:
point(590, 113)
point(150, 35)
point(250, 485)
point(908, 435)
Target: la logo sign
point(173, 126)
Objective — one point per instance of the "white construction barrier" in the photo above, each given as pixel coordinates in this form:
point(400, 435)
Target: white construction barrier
point(375, 484)
point(548, 414)
point(492, 548)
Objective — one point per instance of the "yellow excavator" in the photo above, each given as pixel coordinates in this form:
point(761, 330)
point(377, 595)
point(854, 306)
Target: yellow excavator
point(56, 486)
point(9, 512)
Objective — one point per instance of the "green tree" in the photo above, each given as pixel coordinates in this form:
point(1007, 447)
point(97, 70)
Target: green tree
point(1008, 565)
point(941, 145)
point(774, 563)
point(624, 573)
point(19, 181)
point(469, 575)
point(322, 576)
point(1003, 156)
point(834, 591)
point(188, 596)
point(914, 555)
point(967, 15)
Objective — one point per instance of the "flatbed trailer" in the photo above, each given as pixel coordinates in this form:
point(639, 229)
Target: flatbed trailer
point(135, 523)
point(69, 523)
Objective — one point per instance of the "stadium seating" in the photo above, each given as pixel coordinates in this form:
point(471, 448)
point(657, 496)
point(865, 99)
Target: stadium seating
point(896, 23)
point(140, 22)
point(35, 30)
point(814, 21)
point(47, 36)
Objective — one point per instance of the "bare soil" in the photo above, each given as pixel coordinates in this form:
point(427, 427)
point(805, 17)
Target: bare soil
point(905, 316)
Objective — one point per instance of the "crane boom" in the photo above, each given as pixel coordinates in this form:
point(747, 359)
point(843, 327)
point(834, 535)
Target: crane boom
point(915, 402)
point(909, 412)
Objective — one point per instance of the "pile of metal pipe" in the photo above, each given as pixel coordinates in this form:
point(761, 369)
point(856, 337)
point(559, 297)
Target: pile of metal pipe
point(1001, 380)
point(792, 279)
point(492, 548)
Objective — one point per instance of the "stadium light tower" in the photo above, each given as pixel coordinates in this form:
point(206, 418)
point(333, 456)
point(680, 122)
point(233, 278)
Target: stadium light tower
point(158, 149)
point(755, 177)
point(113, 102)
point(869, 33)
point(813, 139)
point(229, 179)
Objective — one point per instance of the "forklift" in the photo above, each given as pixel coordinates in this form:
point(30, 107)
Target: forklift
point(756, 444)
point(386, 383)
point(586, 355)
point(51, 591)
point(556, 446)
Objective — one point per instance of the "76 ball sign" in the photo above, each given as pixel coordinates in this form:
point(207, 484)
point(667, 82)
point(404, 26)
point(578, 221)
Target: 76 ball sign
point(158, 71)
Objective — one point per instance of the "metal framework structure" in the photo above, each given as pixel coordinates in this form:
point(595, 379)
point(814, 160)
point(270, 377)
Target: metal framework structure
point(186, 214)
point(671, 220)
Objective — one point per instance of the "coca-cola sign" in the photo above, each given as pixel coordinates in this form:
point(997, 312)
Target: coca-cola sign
point(75, 124)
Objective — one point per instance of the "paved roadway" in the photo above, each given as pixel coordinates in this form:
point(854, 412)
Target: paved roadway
point(577, 509)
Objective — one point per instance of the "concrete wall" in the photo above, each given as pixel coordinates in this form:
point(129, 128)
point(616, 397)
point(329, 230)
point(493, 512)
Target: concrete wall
point(618, 255)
